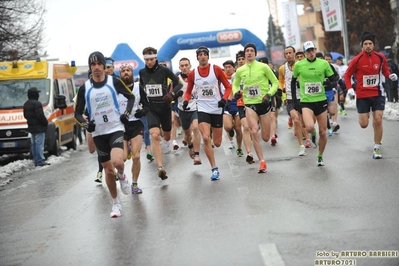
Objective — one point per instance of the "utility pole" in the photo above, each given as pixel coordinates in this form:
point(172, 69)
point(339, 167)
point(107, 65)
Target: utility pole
point(345, 32)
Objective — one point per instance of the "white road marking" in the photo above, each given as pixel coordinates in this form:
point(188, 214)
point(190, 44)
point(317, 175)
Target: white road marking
point(270, 254)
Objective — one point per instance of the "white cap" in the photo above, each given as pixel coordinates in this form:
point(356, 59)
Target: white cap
point(307, 45)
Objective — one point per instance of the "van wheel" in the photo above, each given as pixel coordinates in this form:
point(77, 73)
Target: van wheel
point(56, 150)
point(72, 144)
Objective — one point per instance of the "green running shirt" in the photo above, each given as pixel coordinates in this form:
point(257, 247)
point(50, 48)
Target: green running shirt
point(311, 76)
point(255, 78)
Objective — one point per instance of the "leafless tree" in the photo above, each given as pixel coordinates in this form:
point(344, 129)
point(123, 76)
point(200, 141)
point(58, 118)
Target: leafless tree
point(21, 28)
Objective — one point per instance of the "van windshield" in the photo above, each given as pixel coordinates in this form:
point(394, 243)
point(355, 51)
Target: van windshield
point(14, 93)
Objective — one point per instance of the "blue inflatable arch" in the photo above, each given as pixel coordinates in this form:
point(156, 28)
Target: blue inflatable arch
point(210, 39)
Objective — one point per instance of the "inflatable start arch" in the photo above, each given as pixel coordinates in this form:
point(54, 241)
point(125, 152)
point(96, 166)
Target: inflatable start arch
point(210, 39)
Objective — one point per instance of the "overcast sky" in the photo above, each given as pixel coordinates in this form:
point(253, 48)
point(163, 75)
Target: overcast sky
point(75, 28)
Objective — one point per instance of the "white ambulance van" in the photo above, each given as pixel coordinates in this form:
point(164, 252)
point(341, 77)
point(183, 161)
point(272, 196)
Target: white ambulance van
point(55, 81)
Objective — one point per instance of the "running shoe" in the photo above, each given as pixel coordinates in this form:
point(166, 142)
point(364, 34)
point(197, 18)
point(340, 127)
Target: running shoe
point(239, 152)
point(330, 132)
point(136, 189)
point(124, 182)
point(184, 141)
point(308, 144)
point(99, 178)
point(191, 153)
point(213, 145)
point(377, 153)
point(162, 173)
point(335, 128)
point(262, 167)
point(302, 151)
point(273, 141)
point(116, 211)
point(232, 147)
point(150, 157)
point(250, 158)
point(313, 135)
point(231, 133)
point(175, 146)
point(290, 123)
point(344, 112)
point(215, 175)
point(320, 161)
point(197, 160)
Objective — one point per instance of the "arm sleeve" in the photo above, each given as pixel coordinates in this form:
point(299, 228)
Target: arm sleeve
point(293, 89)
point(348, 74)
point(144, 100)
point(190, 86)
point(80, 105)
point(281, 79)
point(222, 78)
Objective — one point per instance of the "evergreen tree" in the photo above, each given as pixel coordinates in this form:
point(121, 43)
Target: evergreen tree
point(375, 16)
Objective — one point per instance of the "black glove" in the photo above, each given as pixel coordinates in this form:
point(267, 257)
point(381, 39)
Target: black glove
point(178, 94)
point(222, 103)
point(139, 113)
point(238, 95)
point(168, 97)
point(266, 102)
point(279, 93)
point(185, 104)
point(124, 117)
point(327, 85)
point(90, 126)
point(228, 105)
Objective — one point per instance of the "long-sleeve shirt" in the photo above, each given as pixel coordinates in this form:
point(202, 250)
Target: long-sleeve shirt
point(255, 77)
point(369, 70)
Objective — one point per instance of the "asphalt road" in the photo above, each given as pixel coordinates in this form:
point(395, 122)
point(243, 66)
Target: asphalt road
point(295, 214)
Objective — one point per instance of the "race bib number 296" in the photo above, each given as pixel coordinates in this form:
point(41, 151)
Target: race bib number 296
point(312, 88)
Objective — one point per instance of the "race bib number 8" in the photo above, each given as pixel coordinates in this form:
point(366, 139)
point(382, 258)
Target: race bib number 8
point(313, 88)
point(206, 91)
point(253, 91)
point(370, 80)
point(153, 90)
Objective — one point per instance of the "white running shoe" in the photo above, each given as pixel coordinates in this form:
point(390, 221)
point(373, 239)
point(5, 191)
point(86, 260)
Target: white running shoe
point(116, 211)
point(125, 187)
point(302, 151)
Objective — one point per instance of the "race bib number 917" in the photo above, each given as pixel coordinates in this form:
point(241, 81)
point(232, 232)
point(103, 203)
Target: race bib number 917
point(312, 88)
point(370, 80)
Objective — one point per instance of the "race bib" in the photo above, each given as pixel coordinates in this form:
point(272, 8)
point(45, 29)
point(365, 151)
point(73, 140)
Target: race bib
point(105, 115)
point(253, 91)
point(370, 80)
point(153, 90)
point(313, 88)
point(206, 91)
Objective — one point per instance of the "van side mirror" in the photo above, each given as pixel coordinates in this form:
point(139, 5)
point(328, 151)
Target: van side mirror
point(60, 102)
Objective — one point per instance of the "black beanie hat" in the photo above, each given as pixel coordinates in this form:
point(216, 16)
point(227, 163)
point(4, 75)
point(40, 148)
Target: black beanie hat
point(240, 54)
point(367, 36)
point(264, 60)
point(202, 49)
point(250, 45)
point(96, 57)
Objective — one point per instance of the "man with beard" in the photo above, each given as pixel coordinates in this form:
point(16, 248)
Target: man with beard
point(134, 129)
